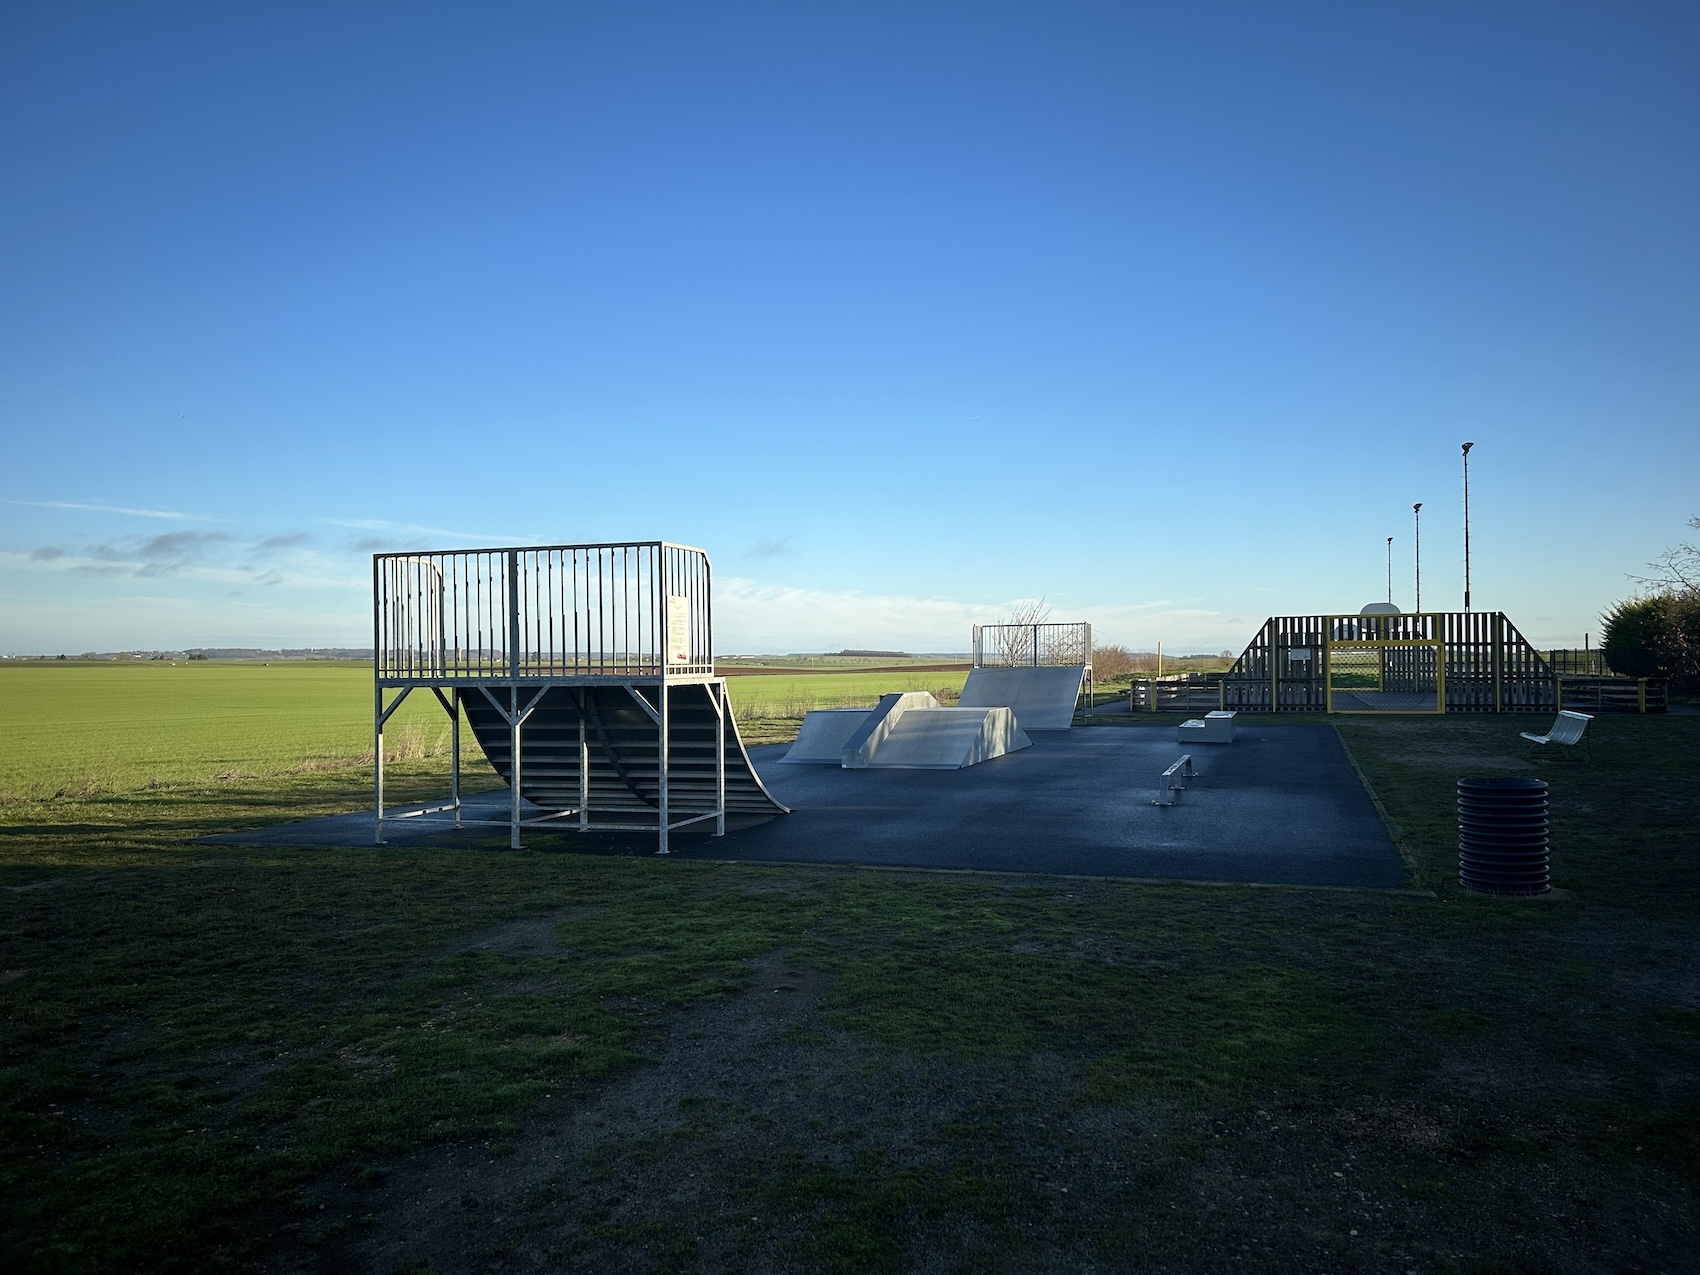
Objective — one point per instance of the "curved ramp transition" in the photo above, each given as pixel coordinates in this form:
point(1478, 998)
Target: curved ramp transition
point(622, 743)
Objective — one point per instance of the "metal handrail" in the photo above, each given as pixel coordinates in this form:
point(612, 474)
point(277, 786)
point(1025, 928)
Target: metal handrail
point(611, 611)
point(1031, 645)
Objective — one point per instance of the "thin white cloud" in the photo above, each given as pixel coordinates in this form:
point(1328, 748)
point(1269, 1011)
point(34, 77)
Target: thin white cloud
point(328, 576)
point(476, 538)
point(752, 617)
point(171, 514)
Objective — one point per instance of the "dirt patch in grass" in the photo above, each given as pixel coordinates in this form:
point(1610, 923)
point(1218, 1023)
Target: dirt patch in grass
point(758, 1131)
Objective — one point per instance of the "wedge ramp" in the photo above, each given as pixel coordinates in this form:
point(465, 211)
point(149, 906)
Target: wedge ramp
point(949, 739)
point(825, 732)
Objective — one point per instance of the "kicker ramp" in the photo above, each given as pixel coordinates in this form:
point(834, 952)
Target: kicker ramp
point(623, 745)
point(1043, 697)
point(824, 734)
point(909, 731)
point(949, 739)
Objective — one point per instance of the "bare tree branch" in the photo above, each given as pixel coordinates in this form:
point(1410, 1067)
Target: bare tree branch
point(1677, 570)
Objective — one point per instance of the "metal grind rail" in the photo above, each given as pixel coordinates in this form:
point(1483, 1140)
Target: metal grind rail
point(1174, 781)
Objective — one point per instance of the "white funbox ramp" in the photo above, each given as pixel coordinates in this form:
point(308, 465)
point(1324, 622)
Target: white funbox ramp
point(948, 739)
point(882, 719)
point(824, 734)
point(1043, 697)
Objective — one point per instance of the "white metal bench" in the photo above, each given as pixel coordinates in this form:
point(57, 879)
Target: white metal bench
point(1172, 782)
point(1569, 729)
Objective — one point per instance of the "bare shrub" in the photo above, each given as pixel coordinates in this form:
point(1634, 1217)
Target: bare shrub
point(1113, 661)
point(1017, 642)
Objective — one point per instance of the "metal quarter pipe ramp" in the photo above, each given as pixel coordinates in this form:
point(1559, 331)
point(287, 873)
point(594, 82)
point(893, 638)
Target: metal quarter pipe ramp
point(1043, 698)
point(586, 673)
point(597, 750)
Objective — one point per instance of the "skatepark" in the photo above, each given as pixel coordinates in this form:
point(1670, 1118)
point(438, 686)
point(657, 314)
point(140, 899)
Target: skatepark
point(586, 675)
point(1281, 806)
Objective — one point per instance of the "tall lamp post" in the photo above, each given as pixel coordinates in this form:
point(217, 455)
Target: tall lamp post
point(1467, 447)
point(1417, 513)
point(1390, 569)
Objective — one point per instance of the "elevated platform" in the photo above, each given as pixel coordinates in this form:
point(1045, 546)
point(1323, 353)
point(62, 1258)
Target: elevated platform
point(586, 673)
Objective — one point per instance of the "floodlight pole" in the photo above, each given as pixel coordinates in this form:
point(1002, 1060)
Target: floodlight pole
point(1390, 570)
point(1417, 513)
point(1467, 447)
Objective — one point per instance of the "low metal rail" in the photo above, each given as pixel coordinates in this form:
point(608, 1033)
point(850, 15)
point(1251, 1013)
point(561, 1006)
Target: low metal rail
point(1173, 781)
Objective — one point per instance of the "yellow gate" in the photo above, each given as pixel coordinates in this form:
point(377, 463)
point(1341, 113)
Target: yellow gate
point(1382, 675)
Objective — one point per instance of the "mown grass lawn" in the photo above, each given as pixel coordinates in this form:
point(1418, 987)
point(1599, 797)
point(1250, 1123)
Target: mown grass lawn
point(85, 729)
point(223, 1058)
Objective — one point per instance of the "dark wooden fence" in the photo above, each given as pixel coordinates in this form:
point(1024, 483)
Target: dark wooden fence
point(1489, 667)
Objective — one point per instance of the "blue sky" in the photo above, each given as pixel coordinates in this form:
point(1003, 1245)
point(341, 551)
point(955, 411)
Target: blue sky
point(904, 312)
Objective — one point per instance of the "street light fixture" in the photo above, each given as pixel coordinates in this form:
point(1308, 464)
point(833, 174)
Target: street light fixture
point(1390, 569)
point(1467, 447)
point(1417, 512)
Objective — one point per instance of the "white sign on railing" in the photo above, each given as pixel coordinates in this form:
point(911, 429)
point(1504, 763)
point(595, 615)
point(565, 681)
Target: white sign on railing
point(678, 629)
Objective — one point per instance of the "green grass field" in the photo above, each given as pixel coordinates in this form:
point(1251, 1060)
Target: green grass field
point(119, 727)
point(428, 1059)
point(790, 696)
point(110, 727)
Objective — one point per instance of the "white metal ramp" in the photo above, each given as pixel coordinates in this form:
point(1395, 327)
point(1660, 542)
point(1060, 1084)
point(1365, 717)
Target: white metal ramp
point(1043, 697)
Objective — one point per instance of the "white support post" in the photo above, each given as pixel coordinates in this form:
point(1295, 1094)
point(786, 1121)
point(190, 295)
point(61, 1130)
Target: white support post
point(378, 764)
point(583, 765)
point(514, 765)
point(513, 695)
point(720, 758)
point(454, 750)
point(661, 767)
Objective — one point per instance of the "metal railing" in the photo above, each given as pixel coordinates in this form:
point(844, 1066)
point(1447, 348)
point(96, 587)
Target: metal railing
point(615, 611)
point(1574, 663)
point(1028, 645)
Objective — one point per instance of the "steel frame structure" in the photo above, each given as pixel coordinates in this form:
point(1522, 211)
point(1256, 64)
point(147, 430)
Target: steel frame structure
point(511, 624)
